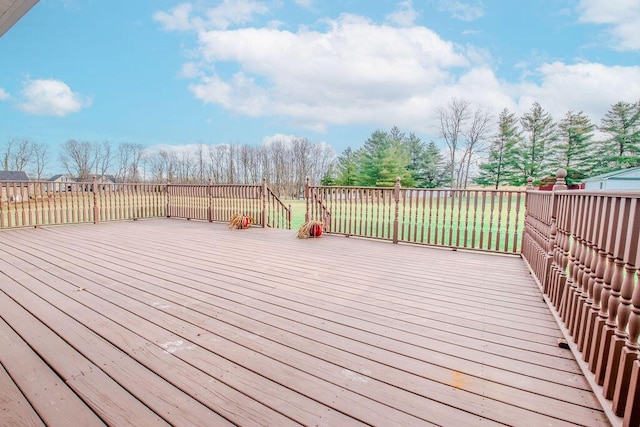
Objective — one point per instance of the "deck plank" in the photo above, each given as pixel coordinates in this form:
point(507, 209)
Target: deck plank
point(105, 397)
point(329, 331)
point(15, 409)
point(50, 397)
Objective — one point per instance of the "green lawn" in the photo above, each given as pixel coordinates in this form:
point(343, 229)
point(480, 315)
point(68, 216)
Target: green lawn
point(459, 221)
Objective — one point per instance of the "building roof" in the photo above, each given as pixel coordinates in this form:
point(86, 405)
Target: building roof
point(102, 178)
point(614, 175)
point(56, 177)
point(13, 176)
point(11, 11)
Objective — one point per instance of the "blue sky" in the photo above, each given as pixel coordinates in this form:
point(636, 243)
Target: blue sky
point(161, 72)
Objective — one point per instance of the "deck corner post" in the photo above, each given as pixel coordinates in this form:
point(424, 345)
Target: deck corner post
point(96, 218)
point(263, 214)
point(307, 195)
point(396, 197)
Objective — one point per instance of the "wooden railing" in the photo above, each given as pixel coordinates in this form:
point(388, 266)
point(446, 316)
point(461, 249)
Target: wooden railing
point(488, 220)
point(36, 203)
point(583, 248)
point(219, 202)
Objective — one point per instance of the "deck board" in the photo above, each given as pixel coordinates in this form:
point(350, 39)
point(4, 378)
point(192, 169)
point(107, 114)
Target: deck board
point(56, 403)
point(254, 327)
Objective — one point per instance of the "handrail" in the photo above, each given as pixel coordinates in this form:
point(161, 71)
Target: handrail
point(488, 220)
point(316, 209)
point(37, 203)
point(219, 202)
point(583, 247)
point(277, 214)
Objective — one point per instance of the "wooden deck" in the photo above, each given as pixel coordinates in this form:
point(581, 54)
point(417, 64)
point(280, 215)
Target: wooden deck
point(191, 324)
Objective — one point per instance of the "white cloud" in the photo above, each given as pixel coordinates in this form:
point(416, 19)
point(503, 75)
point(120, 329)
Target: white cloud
point(348, 73)
point(590, 87)
point(622, 17)
point(355, 71)
point(4, 95)
point(179, 19)
point(405, 16)
point(463, 10)
point(229, 12)
point(50, 97)
point(304, 3)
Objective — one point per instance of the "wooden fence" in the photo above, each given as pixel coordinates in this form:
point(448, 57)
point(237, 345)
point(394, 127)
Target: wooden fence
point(219, 202)
point(488, 220)
point(583, 248)
point(36, 203)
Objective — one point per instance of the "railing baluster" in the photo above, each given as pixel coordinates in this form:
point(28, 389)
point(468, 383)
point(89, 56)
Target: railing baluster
point(629, 310)
point(595, 278)
point(621, 290)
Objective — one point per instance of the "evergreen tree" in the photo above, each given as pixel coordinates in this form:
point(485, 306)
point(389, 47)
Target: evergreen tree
point(347, 168)
point(383, 158)
point(415, 149)
point(329, 177)
point(571, 150)
point(622, 150)
point(433, 171)
point(500, 166)
point(532, 159)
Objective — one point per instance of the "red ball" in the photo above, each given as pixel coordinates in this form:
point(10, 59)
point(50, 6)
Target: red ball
point(245, 222)
point(316, 230)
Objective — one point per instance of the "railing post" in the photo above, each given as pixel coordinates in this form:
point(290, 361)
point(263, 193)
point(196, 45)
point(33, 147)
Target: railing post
point(168, 198)
point(307, 195)
point(264, 203)
point(559, 185)
point(210, 195)
point(396, 196)
point(96, 218)
point(289, 218)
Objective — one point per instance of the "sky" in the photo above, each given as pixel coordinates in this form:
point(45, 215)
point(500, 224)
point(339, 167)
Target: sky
point(172, 73)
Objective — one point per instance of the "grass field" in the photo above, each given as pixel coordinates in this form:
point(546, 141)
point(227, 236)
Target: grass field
point(483, 221)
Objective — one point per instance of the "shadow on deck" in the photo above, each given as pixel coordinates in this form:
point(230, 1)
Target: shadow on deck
point(185, 323)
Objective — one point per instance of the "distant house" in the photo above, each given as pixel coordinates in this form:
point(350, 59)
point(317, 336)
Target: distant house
point(626, 179)
point(58, 182)
point(101, 179)
point(13, 176)
point(15, 187)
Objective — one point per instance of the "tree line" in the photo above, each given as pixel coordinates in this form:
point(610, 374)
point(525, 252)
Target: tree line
point(479, 151)
point(386, 156)
point(535, 145)
point(283, 162)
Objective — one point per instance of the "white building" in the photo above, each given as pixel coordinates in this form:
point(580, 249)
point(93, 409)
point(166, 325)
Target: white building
point(626, 179)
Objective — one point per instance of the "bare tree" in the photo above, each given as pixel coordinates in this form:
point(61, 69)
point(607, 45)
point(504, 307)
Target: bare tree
point(134, 167)
point(475, 135)
point(21, 154)
point(6, 155)
point(103, 157)
point(78, 158)
point(128, 161)
point(452, 119)
point(201, 160)
point(40, 159)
